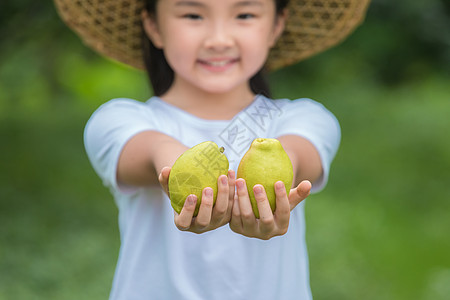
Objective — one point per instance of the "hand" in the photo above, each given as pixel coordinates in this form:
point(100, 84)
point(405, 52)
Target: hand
point(209, 216)
point(269, 224)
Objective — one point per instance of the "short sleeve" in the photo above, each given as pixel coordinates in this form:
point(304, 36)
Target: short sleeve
point(312, 121)
point(108, 130)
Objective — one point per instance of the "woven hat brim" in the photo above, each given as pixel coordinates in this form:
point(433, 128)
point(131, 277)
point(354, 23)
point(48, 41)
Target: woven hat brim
point(315, 26)
point(113, 28)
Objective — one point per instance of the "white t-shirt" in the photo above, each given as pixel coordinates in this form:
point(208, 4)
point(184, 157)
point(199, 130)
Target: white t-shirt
point(156, 260)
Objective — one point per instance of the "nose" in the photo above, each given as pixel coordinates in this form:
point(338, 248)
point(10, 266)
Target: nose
point(219, 37)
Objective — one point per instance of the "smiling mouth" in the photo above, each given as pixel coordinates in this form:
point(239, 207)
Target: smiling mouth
point(218, 63)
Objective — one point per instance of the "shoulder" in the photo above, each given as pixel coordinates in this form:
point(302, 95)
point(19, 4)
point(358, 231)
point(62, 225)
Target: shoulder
point(304, 116)
point(124, 108)
point(300, 107)
point(300, 104)
point(120, 113)
point(120, 104)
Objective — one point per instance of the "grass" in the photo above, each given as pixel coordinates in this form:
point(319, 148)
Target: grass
point(378, 231)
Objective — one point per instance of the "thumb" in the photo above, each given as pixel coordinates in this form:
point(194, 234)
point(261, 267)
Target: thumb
point(299, 193)
point(163, 179)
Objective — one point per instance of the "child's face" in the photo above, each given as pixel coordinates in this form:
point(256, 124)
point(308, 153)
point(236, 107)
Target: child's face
point(215, 45)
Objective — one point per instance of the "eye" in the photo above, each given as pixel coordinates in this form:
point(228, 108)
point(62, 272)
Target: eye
point(245, 16)
point(192, 16)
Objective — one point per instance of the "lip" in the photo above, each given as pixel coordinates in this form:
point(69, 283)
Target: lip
point(218, 64)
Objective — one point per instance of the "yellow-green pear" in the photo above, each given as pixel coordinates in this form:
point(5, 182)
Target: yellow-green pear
point(265, 163)
point(197, 168)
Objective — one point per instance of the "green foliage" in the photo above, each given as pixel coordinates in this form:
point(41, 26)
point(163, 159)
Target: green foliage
point(378, 231)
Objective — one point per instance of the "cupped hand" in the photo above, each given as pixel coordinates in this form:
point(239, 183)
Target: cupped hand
point(269, 224)
point(209, 216)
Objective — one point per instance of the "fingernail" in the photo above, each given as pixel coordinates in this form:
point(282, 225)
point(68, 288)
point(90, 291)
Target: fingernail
point(279, 185)
point(224, 180)
point(208, 192)
point(240, 184)
point(258, 190)
point(191, 199)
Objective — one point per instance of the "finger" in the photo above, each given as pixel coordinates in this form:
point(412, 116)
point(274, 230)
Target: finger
point(164, 179)
point(283, 210)
point(184, 219)
point(236, 222)
point(231, 191)
point(231, 185)
point(245, 207)
point(222, 202)
point(265, 212)
point(299, 194)
point(206, 206)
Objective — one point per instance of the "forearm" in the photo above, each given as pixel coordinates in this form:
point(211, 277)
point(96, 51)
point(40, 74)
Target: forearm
point(304, 157)
point(144, 156)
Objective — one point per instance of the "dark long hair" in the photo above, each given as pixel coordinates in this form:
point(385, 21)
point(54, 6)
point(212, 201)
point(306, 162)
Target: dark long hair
point(161, 74)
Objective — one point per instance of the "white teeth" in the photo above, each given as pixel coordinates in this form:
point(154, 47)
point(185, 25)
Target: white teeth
point(218, 63)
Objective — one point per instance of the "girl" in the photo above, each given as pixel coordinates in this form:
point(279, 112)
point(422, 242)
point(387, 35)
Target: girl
point(205, 60)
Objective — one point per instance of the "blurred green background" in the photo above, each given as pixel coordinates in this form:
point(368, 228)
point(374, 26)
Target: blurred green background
point(380, 230)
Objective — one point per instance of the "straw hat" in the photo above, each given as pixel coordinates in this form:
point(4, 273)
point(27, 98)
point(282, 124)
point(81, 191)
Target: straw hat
point(113, 27)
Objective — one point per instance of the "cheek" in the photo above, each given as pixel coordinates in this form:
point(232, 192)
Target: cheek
point(177, 52)
point(263, 37)
point(181, 44)
point(258, 44)
point(174, 58)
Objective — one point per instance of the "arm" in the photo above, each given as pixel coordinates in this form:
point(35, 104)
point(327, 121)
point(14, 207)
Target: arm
point(307, 168)
point(146, 159)
point(145, 155)
point(304, 157)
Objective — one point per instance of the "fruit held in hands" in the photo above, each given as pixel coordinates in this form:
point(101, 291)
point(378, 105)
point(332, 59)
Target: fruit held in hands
point(197, 168)
point(265, 163)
